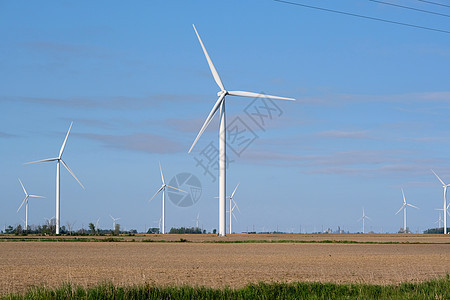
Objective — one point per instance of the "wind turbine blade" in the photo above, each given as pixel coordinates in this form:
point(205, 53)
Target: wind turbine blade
point(23, 187)
point(368, 218)
point(36, 196)
point(234, 216)
point(257, 95)
point(438, 177)
point(359, 220)
point(208, 120)
point(404, 200)
point(65, 141)
point(22, 203)
point(111, 217)
point(70, 171)
point(175, 188)
point(232, 195)
point(160, 189)
point(235, 204)
point(162, 176)
point(400, 209)
point(42, 160)
point(211, 66)
point(412, 206)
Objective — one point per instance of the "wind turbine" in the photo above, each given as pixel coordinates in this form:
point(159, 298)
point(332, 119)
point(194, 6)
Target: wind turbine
point(220, 103)
point(58, 161)
point(439, 221)
point(405, 204)
point(363, 219)
point(96, 225)
point(232, 207)
point(197, 220)
point(26, 203)
point(445, 201)
point(163, 189)
point(114, 221)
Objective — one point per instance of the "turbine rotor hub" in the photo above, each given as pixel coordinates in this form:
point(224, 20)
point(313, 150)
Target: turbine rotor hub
point(223, 92)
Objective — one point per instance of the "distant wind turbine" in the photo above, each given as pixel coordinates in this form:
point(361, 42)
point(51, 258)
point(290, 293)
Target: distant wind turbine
point(114, 221)
point(445, 201)
point(197, 220)
point(405, 204)
point(220, 104)
point(26, 203)
point(439, 221)
point(59, 160)
point(163, 189)
point(363, 219)
point(232, 207)
point(96, 224)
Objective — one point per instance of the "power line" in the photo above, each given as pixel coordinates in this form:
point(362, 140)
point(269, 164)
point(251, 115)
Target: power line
point(362, 16)
point(411, 8)
point(435, 3)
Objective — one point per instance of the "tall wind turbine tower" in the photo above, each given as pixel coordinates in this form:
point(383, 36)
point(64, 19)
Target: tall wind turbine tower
point(26, 203)
point(445, 201)
point(220, 104)
point(58, 161)
point(404, 206)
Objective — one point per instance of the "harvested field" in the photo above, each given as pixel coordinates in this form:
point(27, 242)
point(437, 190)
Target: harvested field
point(24, 264)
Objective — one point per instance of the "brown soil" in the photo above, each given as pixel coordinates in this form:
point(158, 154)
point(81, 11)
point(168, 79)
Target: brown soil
point(27, 264)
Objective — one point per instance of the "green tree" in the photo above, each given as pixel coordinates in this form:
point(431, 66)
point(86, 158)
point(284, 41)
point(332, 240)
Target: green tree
point(19, 229)
point(117, 230)
point(92, 228)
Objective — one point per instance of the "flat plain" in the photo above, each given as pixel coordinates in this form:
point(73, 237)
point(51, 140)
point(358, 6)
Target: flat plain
point(234, 261)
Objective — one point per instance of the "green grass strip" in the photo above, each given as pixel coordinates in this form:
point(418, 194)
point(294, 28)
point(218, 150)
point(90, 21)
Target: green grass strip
point(434, 289)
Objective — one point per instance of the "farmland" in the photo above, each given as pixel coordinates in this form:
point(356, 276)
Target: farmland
point(234, 261)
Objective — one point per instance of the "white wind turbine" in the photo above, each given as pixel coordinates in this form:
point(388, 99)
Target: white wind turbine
point(445, 201)
point(363, 219)
point(59, 160)
point(96, 224)
point(232, 207)
point(163, 189)
point(114, 221)
point(25, 201)
point(405, 204)
point(439, 221)
point(197, 220)
point(220, 103)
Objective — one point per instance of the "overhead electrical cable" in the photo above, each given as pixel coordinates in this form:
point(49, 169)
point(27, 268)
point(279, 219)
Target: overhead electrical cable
point(411, 8)
point(435, 3)
point(364, 17)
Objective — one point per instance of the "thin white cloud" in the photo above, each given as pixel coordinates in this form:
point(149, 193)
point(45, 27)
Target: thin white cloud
point(408, 98)
point(142, 142)
point(6, 135)
point(114, 103)
point(344, 134)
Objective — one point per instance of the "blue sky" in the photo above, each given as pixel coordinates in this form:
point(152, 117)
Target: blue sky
point(371, 114)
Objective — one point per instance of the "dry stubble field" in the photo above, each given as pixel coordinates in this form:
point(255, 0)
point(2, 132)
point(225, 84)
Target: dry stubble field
point(24, 264)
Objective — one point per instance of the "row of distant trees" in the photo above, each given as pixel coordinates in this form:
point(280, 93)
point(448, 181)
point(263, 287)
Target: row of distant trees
point(50, 228)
